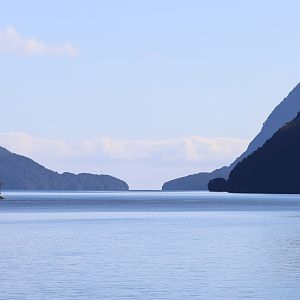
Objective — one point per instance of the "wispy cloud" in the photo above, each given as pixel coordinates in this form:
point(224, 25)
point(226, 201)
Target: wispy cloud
point(12, 42)
point(195, 148)
point(142, 163)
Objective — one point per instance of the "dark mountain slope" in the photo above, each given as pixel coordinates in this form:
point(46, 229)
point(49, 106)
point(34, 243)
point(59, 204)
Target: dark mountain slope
point(283, 113)
point(21, 173)
point(273, 168)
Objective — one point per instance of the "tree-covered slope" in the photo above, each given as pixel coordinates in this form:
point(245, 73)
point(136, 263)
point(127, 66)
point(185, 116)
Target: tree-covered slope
point(21, 173)
point(283, 113)
point(273, 168)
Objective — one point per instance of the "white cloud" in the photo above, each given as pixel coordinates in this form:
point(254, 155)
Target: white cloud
point(142, 163)
point(194, 149)
point(12, 42)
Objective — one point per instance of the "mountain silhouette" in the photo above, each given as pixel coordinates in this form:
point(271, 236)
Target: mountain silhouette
point(18, 172)
point(196, 181)
point(283, 113)
point(273, 168)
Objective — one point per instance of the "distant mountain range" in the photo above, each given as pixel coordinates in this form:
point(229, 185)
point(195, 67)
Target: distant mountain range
point(22, 173)
point(283, 113)
point(273, 168)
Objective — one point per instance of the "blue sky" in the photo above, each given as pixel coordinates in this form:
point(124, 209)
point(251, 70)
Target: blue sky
point(144, 76)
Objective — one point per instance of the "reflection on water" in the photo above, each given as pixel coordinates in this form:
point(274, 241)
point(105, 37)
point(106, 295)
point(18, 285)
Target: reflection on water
point(149, 246)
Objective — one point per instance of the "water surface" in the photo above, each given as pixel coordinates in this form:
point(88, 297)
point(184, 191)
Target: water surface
point(149, 245)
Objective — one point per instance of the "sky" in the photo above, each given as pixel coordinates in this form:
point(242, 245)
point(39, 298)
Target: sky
point(143, 90)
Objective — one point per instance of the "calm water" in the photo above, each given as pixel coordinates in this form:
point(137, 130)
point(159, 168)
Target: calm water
point(143, 245)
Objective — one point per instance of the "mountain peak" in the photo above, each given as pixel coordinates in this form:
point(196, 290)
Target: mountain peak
point(4, 151)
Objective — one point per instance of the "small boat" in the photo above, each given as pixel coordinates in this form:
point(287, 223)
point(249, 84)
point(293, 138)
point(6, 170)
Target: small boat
point(1, 196)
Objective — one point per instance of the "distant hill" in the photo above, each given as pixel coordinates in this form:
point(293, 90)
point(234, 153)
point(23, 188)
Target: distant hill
point(22, 173)
point(194, 182)
point(273, 168)
point(283, 113)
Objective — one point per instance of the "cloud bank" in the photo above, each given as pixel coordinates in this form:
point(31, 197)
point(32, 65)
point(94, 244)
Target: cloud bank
point(12, 42)
point(142, 163)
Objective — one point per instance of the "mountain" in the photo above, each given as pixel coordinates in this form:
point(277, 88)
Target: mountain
point(273, 168)
point(194, 182)
point(22, 173)
point(283, 113)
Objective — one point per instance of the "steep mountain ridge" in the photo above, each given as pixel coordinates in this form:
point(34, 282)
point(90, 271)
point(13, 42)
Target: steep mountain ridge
point(284, 112)
point(272, 168)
